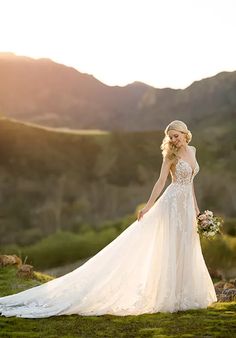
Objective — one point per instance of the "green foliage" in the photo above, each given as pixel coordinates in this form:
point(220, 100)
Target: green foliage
point(230, 226)
point(220, 252)
point(55, 180)
point(63, 247)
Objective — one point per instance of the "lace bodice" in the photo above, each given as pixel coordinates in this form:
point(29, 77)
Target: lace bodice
point(184, 173)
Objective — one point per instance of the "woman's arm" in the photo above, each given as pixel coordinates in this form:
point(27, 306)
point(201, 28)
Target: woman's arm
point(158, 187)
point(160, 183)
point(195, 201)
point(194, 196)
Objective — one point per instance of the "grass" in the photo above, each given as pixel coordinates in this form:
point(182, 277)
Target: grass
point(10, 283)
point(218, 320)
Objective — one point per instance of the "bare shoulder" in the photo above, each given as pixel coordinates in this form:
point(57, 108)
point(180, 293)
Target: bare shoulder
point(168, 164)
point(167, 161)
point(194, 148)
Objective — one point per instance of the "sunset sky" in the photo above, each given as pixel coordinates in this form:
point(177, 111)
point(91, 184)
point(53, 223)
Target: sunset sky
point(164, 43)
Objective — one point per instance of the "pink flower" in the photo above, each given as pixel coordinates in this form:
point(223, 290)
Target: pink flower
point(209, 213)
point(204, 224)
point(202, 217)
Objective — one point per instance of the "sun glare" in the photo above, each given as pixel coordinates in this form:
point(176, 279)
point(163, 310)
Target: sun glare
point(162, 43)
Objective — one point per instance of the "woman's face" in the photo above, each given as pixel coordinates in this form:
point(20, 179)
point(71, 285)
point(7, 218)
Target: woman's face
point(177, 138)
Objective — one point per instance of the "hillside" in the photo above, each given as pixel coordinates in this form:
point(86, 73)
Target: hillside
point(53, 180)
point(51, 94)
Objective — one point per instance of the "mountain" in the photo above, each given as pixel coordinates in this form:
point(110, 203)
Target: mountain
point(50, 94)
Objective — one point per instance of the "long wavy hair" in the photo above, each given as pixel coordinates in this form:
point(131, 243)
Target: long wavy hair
point(169, 150)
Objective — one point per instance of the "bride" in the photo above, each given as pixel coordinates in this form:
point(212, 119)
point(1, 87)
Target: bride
point(154, 265)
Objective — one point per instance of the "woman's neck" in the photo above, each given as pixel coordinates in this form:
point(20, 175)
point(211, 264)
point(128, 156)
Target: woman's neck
point(183, 149)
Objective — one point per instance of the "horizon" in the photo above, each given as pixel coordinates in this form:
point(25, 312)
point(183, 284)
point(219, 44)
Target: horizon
point(8, 53)
point(164, 44)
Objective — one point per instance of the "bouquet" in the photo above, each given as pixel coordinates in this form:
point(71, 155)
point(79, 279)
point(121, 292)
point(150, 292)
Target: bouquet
point(209, 225)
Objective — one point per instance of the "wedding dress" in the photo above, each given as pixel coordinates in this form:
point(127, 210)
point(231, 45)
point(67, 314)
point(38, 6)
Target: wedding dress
point(154, 265)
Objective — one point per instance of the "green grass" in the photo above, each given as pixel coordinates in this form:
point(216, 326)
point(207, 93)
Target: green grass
point(47, 252)
point(10, 283)
point(218, 320)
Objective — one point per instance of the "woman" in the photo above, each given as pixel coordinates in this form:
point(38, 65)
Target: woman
point(155, 265)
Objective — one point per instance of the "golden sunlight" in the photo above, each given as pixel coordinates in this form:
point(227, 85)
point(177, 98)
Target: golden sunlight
point(162, 43)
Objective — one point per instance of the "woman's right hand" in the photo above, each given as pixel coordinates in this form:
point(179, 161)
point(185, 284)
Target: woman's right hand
point(142, 212)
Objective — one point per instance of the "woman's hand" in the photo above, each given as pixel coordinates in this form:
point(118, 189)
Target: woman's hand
point(143, 211)
point(197, 212)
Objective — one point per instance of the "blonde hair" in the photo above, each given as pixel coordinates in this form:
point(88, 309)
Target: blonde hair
point(169, 150)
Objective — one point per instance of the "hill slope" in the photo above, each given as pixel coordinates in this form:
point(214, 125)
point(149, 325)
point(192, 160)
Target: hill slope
point(54, 180)
point(51, 94)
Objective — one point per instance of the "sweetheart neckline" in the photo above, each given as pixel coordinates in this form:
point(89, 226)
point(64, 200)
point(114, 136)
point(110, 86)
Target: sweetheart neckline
point(193, 169)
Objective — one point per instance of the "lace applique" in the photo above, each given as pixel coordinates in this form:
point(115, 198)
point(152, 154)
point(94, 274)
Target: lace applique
point(180, 190)
point(184, 173)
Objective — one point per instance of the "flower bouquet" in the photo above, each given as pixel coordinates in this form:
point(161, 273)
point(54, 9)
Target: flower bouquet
point(209, 225)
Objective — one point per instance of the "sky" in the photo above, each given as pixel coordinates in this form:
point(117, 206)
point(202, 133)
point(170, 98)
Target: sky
point(164, 43)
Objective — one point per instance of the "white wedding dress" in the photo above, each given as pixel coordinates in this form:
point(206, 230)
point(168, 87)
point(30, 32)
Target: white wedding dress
point(154, 265)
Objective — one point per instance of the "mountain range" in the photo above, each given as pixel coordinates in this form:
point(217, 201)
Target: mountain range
point(47, 93)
